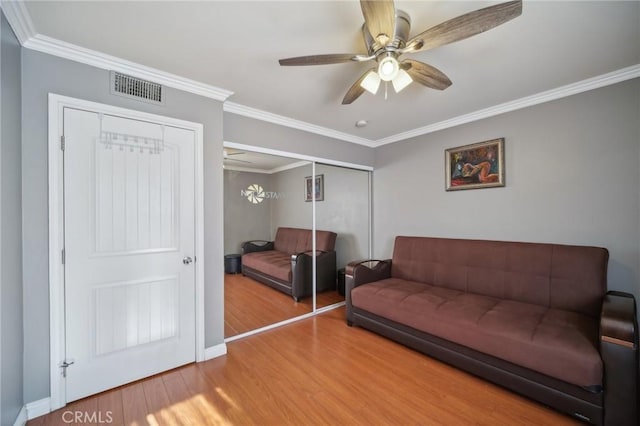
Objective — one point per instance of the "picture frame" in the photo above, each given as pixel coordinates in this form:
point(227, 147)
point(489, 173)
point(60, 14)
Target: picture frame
point(479, 165)
point(310, 188)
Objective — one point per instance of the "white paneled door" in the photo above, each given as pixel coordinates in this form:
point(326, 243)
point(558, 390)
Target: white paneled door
point(129, 231)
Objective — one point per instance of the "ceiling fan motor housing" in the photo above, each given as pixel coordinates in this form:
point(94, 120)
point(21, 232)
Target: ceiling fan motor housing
point(398, 39)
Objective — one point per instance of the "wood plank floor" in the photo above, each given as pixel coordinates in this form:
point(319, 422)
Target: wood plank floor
point(313, 372)
point(250, 305)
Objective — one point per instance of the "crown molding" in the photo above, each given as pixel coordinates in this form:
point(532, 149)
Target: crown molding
point(19, 19)
point(100, 60)
point(234, 108)
point(603, 80)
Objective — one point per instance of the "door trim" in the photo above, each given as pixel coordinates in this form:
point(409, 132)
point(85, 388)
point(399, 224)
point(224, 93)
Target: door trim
point(56, 227)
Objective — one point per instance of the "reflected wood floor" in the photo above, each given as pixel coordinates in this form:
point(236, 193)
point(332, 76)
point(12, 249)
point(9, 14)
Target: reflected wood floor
point(316, 371)
point(249, 305)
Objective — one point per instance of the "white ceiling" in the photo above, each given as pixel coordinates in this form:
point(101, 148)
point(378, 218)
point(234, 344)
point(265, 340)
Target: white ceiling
point(235, 45)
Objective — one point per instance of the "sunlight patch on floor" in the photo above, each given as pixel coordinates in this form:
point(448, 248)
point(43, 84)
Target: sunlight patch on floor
point(192, 411)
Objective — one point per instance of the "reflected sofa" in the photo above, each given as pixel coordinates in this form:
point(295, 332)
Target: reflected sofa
point(286, 263)
point(534, 318)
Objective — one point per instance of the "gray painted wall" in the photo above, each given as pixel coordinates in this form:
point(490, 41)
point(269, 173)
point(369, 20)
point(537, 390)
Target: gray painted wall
point(244, 221)
point(11, 334)
point(572, 176)
point(43, 74)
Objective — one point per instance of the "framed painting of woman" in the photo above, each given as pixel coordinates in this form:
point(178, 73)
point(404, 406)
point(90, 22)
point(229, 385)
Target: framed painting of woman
point(480, 165)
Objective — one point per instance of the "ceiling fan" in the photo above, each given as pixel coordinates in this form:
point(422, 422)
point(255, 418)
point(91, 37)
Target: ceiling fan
point(386, 35)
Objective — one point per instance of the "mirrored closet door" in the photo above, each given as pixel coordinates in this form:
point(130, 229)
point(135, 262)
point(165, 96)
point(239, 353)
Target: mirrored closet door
point(270, 201)
point(341, 208)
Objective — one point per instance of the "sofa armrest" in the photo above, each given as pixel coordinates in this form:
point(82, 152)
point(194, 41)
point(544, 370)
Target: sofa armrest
point(618, 320)
point(362, 272)
point(619, 351)
point(366, 271)
point(302, 272)
point(256, 245)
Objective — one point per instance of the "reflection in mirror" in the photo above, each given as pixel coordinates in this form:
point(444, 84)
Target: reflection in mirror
point(262, 198)
point(342, 207)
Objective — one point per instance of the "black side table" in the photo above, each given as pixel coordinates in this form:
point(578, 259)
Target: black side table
point(341, 279)
point(232, 263)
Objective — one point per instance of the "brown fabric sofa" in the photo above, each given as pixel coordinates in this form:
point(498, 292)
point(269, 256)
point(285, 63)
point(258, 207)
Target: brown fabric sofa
point(286, 263)
point(535, 318)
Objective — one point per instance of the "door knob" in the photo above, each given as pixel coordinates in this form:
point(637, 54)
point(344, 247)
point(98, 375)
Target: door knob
point(187, 260)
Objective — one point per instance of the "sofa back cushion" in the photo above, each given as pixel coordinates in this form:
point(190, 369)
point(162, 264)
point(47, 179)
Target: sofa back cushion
point(556, 276)
point(296, 240)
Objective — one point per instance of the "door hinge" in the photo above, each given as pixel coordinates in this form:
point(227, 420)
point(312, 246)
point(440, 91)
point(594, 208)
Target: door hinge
point(64, 365)
point(62, 257)
point(62, 142)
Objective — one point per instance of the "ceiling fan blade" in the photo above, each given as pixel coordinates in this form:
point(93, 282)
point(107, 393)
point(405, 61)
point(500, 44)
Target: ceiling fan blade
point(336, 58)
point(227, 152)
point(426, 74)
point(356, 90)
point(380, 19)
point(465, 26)
point(239, 161)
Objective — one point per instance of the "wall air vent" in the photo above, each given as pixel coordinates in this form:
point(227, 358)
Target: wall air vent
point(136, 88)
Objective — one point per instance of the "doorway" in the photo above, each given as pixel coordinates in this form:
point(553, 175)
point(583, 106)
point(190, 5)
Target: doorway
point(125, 201)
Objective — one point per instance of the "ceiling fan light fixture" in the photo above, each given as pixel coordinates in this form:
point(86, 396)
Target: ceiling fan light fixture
point(388, 68)
point(402, 80)
point(371, 82)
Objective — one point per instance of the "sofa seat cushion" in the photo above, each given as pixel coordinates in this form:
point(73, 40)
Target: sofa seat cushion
point(271, 262)
point(560, 344)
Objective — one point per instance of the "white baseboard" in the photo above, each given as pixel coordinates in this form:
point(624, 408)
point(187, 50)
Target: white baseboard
point(32, 410)
point(38, 408)
point(215, 351)
point(22, 418)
